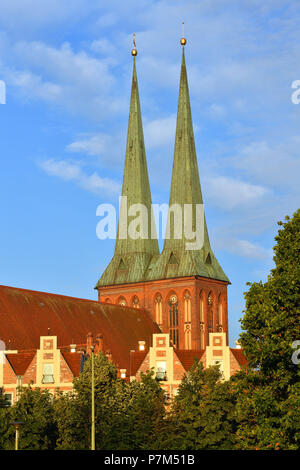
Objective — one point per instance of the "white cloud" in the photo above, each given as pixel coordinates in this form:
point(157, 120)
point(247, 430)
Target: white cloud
point(73, 172)
point(34, 85)
point(160, 132)
point(94, 145)
point(61, 168)
point(277, 165)
point(111, 147)
point(102, 46)
point(73, 80)
point(106, 150)
point(244, 248)
point(229, 193)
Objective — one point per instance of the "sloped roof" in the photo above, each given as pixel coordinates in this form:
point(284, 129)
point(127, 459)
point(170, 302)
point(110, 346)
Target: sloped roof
point(188, 356)
point(26, 315)
point(73, 359)
point(137, 358)
point(239, 356)
point(20, 362)
point(176, 259)
point(132, 256)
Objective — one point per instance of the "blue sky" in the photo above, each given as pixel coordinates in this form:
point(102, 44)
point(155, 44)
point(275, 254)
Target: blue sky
point(67, 68)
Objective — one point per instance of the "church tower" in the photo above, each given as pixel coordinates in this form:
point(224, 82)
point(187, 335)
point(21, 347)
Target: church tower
point(184, 288)
point(132, 256)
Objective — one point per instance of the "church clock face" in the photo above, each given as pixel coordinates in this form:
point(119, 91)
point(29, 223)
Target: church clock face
point(173, 299)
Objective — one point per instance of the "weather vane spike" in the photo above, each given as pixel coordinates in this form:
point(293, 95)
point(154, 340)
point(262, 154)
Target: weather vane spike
point(183, 40)
point(134, 51)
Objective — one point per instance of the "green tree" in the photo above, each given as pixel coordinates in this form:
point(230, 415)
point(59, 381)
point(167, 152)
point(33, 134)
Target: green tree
point(72, 418)
point(146, 411)
point(4, 422)
point(126, 415)
point(34, 408)
point(202, 413)
point(268, 391)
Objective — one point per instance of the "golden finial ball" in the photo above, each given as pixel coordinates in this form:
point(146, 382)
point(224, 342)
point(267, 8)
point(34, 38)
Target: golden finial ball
point(134, 52)
point(183, 41)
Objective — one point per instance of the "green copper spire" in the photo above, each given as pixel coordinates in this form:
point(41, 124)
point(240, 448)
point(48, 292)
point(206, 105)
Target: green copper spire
point(132, 256)
point(176, 260)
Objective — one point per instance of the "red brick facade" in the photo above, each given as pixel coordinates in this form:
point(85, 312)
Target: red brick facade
point(170, 364)
point(16, 371)
point(208, 305)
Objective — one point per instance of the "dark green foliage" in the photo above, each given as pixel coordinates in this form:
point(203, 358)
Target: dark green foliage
point(267, 405)
point(4, 422)
point(202, 413)
point(272, 317)
point(73, 423)
point(126, 415)
point(34, 408)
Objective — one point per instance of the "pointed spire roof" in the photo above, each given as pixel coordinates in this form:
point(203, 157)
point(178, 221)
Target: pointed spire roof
point(185, 184)
point(132, 256)
point(176, 260)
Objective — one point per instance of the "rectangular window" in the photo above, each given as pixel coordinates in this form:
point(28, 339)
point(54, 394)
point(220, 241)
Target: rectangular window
point(8, 397)
point(48, 377)
point(161, 370)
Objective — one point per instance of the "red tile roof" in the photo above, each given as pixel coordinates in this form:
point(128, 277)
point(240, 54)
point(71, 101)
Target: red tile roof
point(26, 315)
point(73, 359)
point(137, 358)
point(187, 356)
point(239, 356)
point(20, 361)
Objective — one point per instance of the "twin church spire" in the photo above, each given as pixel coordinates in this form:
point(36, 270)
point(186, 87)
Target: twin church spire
point(137, 260)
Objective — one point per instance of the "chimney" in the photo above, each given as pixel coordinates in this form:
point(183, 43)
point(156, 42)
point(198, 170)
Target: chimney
point(89, 343)
point(142, 345)
point(99, 344)
point(108, 354)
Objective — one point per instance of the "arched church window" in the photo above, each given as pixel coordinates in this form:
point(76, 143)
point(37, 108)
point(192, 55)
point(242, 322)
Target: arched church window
point(210, 312)
point(220, 314)
point(173, 320)
point(135, 302)
point(158, 310)
point(201, 321)
point(122, 301)
point(108, 301)
point(187, 307)
point(187, 321)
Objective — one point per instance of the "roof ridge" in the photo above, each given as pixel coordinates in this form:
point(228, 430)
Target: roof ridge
point(96, 302)
point(49, 293)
